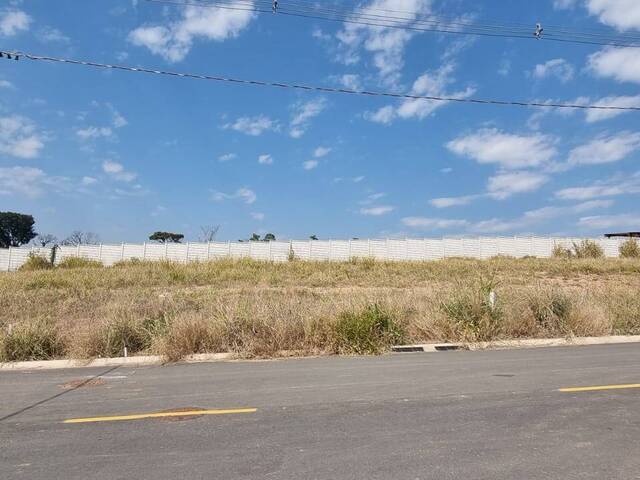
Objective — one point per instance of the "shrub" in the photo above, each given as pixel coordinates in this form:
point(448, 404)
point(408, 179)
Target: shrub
point(79, 262)
point(584, 249)
point(551, 310)
point(587, 249)
point(35, 262)
point(471, 311)
point(110, 339)
point(368, 331)
point(131, 262)
point(188, 336)
point(560, 251)
point(630, 249)
point(37, 340)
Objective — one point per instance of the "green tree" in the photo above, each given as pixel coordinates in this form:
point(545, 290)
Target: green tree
point(269, 237)
point(166, 237)
point(254, 238)
point(313, 237)
point(15, 229)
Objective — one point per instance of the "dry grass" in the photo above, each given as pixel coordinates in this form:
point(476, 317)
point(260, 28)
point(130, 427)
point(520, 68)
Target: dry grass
point(259, 309)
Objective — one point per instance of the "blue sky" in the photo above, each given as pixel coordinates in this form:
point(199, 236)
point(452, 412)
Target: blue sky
point(124, 154)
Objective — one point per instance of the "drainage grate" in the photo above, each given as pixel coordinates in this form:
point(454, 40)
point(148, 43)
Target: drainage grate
point(446, 348)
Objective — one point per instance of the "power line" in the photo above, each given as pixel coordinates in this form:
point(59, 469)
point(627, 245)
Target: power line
point(428, 23)
point(297, 86)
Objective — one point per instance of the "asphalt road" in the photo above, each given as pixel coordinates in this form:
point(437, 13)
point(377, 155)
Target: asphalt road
point(454, 415)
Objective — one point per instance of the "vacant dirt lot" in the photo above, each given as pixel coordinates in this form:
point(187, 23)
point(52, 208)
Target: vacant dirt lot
point(261, 309)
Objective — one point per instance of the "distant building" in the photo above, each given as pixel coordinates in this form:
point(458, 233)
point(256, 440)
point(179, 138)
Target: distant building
point(624, 234)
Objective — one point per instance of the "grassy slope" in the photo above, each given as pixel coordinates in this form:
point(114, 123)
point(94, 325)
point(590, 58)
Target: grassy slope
point(260, 309)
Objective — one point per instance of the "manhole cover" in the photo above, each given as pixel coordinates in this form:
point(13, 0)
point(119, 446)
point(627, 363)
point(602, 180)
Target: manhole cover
point(181, 418)
point(81, 383)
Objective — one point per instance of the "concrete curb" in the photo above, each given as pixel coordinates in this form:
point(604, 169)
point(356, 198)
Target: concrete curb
point(219, 357)
point(112, 362)
point(508, 344)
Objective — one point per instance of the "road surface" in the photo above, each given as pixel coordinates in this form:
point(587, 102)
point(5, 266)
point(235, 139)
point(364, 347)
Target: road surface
point(450, 415)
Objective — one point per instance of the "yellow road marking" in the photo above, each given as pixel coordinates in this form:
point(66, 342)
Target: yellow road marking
point(599, 388)
point(140, 416)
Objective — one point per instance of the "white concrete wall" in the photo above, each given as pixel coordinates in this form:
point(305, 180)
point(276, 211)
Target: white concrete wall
point(331, 250)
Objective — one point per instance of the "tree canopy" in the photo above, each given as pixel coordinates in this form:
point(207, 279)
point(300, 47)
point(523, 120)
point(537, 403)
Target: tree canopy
point(166, 237)
point(16, 229)
point(79, 237)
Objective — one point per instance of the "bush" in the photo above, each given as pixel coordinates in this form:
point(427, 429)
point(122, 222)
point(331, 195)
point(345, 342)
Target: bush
point(79, 262)
point(38, 340)
point(584, 249)
point(115, 334)
point(551, 311)
point(35, 262)
point(472, 313)
point(369, 331)
point(587, 249)
point(560, 251)
point(630, 249)
point(191, 335)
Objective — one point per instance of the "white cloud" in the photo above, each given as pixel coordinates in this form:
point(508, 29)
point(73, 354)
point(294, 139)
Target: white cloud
point(253, 126)
point(265, 159)
point(386, 45)
point(430, 84)
point(13, 22)
point(28, 181)
point(303, 112)
point(372, 198)
point(227, 157)
point(19, 138)
point(446, 202)
point(622, 101)
point(558, 67)
point(533, 217)
point(52, 35)
point(564, 4)
point(605, 222)
point(377, 211)
point(384, 115)
point(117, 171)
point(621, 14)
point(310, 164)
point(244, 194)
point(6, 84)
point(621, 64)
point(504, 185)
point(117, 120)
point(505, 67)
point(614, 186)
point(605, 149)
point(174, 41)
point(321, 152)
point(158, 210)
point(510, 151)
point(349, 81)
point(94, 132)
point(88, 181)
point(257, 216)
point(446, 170)
point(425, 223)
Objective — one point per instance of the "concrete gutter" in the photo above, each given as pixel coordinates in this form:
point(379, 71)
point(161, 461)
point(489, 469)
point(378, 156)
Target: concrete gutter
point(142, 361)
point(526, 343)
point(218, 357)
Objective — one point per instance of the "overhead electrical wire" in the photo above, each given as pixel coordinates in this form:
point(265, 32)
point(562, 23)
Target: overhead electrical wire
point(420, 23)
point(16, 55)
